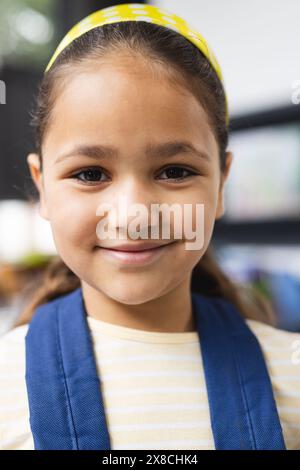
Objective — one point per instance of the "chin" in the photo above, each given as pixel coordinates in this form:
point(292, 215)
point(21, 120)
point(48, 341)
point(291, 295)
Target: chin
point(129, 296)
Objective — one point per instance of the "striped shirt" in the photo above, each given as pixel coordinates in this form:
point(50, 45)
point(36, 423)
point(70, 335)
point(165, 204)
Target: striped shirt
point(153, 386)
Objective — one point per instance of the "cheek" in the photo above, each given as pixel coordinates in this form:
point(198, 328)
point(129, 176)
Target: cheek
point(199, 216)
point(73, 220)
point(179, 266)
point(197, 233)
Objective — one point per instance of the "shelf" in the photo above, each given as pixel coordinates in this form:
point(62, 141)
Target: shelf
point(277, 232)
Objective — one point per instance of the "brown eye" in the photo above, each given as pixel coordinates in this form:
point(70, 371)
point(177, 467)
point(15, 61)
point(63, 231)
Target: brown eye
point(177, 172)
point(90, 175)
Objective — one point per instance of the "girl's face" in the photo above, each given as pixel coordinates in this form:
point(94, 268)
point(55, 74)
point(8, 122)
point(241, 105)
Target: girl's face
point(123, 104)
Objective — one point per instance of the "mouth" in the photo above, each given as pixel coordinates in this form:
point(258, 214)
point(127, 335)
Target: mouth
point(135, 254)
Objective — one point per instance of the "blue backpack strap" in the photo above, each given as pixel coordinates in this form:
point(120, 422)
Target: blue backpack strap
point(242, 407)
point(66, 407)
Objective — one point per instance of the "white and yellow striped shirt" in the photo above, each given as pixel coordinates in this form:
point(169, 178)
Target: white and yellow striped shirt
point(153, 386)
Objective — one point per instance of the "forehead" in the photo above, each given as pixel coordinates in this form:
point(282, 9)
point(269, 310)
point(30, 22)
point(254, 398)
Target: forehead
point(125, 100)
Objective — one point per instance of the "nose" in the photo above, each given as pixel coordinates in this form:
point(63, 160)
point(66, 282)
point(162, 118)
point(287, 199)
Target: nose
point(131, 203)
point(137, 191)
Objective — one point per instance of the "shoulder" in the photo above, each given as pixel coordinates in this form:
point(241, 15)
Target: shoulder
point(12, 354)
point(280, 347)
point(13, 340)
point(273, 337)
point(281, 350)
point(14, 413)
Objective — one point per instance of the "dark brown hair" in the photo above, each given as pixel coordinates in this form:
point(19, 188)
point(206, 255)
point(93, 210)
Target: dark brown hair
point(186, 65)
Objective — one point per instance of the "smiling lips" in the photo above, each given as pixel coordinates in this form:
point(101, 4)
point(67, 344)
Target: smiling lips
point(135, 253)
point(136, 246)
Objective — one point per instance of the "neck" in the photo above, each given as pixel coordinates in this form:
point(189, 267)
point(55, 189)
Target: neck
point(169, 313)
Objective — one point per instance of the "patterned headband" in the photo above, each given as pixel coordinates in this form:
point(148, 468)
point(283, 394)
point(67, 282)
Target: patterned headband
point(139, 12)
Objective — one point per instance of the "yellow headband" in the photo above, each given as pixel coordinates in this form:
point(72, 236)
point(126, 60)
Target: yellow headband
point(139, 12)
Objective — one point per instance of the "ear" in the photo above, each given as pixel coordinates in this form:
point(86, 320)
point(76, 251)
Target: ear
point(33, 161)
point(224, 175)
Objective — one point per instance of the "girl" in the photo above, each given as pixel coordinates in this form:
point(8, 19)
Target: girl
point(155, 349)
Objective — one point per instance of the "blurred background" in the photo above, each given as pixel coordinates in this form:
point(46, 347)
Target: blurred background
point(257, 44)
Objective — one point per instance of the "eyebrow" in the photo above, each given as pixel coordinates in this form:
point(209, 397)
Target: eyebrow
point(165, 150)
